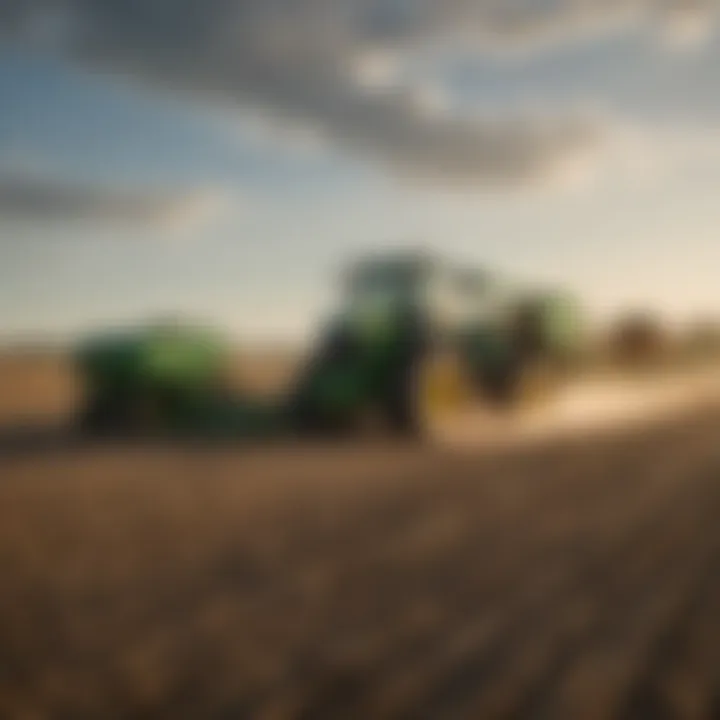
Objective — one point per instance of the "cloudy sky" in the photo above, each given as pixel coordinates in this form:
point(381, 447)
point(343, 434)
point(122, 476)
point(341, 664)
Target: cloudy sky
point(222, 157)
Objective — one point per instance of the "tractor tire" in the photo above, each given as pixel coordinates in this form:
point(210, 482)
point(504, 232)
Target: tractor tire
point(144, 416)
point(131, 417)
point(96, 419)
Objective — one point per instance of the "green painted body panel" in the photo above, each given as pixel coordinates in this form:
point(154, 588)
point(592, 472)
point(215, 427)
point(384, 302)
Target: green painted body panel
point(174, 373)
point(339, 383)
point(149, 356)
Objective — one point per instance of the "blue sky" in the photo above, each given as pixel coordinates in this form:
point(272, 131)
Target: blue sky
point(594, 163)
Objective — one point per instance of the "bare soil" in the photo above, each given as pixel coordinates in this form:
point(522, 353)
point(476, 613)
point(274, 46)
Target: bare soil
point(571, 579)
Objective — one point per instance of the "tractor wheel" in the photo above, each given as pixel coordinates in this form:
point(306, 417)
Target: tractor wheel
point(432, 393)
point(306, 421)
point(144, 416)
point(129, 417)
point(96, 418)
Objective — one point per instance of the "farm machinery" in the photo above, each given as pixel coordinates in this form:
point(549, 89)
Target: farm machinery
point(414, 341)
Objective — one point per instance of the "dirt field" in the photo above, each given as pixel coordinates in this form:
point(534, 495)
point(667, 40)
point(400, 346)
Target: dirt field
point(574, 579)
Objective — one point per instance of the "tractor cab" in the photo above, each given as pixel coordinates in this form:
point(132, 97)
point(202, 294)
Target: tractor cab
point(383, 295)
point(396, 344)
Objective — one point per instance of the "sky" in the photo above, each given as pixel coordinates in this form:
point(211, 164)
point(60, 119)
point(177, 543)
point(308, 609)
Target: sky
point(224, 158)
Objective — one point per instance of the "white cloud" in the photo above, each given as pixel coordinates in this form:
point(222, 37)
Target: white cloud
point(377, 70)
point(689, 24)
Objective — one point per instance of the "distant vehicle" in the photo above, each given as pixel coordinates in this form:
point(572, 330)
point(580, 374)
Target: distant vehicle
point(640, 339)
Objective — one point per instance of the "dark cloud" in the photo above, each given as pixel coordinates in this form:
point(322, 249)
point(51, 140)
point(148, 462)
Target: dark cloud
point(299, 60)
point(37, 199)
point(164, 27)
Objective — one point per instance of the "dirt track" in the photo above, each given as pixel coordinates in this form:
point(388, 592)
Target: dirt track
point(575, 580)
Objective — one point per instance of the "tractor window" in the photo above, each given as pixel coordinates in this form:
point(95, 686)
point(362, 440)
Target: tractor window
point(382, 288)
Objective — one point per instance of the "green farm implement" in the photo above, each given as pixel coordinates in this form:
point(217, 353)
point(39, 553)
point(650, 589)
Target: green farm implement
point(414, 341)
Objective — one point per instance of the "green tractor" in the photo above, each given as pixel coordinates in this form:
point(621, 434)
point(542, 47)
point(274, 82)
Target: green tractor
point(415, 341)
